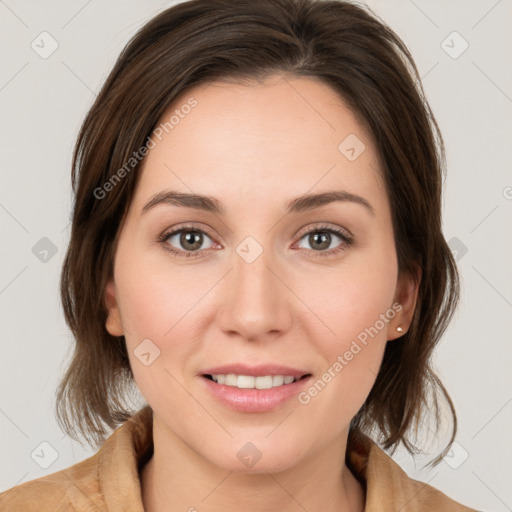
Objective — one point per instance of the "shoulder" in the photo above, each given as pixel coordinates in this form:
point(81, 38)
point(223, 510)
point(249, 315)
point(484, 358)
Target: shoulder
point(106, 480)
point(417, 496)
point(389, 488)
point(411, 495)
point(73, 488)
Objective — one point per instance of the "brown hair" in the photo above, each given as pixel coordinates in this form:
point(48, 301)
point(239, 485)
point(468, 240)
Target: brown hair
point(345, 46)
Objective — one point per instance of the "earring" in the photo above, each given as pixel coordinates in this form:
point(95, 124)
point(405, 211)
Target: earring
point(400, 329)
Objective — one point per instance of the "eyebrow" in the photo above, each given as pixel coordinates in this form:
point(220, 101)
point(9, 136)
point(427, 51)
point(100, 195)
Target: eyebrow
point(299, 204)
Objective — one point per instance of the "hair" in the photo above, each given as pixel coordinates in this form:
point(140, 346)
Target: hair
point(345, 46)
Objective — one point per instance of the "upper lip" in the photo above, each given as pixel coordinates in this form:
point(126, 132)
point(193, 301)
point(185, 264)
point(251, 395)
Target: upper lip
point(255, 371)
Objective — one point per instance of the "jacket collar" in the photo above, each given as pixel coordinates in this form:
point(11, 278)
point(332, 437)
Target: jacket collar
point(387, 486)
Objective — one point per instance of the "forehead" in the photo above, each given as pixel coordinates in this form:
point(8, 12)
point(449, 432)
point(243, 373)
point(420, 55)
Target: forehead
point(283, 137)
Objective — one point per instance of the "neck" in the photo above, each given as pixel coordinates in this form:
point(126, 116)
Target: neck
point(178, 478)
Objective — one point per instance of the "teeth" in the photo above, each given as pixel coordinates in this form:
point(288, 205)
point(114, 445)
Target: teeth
point(250, 382)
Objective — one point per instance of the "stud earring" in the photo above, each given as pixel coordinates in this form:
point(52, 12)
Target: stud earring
point(400, 329)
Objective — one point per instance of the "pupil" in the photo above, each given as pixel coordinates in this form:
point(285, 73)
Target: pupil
point(191, 240)
point(322, 237)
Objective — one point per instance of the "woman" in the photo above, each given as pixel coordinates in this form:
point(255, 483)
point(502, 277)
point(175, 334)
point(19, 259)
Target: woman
point(256, 243)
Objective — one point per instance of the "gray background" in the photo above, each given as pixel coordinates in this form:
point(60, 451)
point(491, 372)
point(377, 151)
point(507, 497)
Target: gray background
point(43, 101)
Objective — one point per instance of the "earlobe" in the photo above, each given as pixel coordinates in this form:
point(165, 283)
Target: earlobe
point(406, 295)
point(113, 323)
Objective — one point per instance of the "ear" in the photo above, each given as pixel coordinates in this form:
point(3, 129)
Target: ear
point(406, 296)
point(113, 322)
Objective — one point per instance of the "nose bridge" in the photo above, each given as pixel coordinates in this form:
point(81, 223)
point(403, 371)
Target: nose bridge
point(253, 303)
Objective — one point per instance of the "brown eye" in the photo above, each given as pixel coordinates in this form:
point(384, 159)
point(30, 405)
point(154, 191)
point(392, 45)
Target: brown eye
point(320, 240)
point(191, 240)
point(186, 241)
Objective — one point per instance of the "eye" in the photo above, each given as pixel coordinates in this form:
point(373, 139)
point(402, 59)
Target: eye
point(322, 237)
point(186, 241)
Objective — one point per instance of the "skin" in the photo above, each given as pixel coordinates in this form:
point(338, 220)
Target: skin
point(255, 146)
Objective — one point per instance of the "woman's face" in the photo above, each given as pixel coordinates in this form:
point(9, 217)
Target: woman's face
point(248, 284)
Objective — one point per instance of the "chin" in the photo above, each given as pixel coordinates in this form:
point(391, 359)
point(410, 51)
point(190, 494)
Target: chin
point(255, 457)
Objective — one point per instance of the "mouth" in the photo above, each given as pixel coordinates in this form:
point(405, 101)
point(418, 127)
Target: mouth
point(254, 389)
point(254, 382)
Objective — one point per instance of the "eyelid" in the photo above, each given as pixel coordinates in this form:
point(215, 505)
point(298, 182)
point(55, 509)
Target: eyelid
point(343, 232)
point(186, 226)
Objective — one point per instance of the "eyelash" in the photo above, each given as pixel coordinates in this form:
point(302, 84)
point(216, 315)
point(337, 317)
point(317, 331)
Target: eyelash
point(347, 239)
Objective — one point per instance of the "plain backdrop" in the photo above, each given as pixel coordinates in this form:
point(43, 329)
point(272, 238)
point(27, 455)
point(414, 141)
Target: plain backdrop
point(464, 53)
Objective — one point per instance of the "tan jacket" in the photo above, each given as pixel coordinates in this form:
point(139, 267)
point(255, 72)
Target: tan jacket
point(109, 480)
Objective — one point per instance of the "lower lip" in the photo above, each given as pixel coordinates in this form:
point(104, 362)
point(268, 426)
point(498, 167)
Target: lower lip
point(254, 400)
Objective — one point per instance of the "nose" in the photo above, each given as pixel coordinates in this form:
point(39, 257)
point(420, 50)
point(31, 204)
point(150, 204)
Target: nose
point(255, 303)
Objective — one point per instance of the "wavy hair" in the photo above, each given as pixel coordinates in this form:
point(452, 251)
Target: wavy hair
point(348, 48)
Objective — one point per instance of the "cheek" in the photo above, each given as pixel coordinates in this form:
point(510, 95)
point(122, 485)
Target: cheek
point(154, 299)
point(353, 309)
point(351, 300)
point(166, 305)
point(157, 306)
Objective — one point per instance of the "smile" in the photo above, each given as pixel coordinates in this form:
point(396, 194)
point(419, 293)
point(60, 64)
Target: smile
point(252, 382)
point(254, 394)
